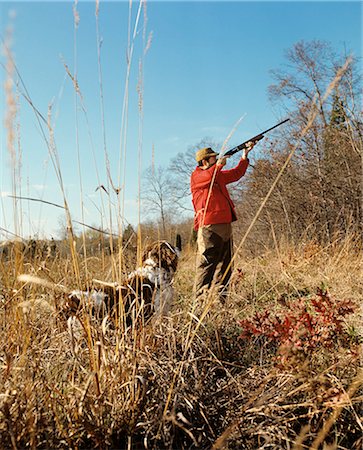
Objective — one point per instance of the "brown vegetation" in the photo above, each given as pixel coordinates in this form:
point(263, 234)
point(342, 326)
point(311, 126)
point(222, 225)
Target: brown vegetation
point(209, 375)
point(177, 382)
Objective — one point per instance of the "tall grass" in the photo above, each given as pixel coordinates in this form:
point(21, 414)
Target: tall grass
point(165, 385)
point(182, 381)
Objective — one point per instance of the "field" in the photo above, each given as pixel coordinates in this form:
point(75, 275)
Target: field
point(209, 375)
point(278, 365)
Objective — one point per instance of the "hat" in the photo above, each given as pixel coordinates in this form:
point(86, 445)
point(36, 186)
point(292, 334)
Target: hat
point(204, 153)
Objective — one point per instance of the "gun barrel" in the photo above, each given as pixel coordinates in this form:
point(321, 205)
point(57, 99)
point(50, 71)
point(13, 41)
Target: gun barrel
point(256, 138)
point(275, 126)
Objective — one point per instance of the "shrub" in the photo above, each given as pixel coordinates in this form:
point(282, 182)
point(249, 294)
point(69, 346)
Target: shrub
point(302, 327)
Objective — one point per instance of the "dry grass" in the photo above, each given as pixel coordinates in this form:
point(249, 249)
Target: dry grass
point(186, 381)
point(178, 382)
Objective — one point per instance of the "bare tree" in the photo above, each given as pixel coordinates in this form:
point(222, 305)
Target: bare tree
point(156, 196)
point(320, 192)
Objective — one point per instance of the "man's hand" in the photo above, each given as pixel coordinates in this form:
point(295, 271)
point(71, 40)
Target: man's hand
point(222, 161)
point(249, 147)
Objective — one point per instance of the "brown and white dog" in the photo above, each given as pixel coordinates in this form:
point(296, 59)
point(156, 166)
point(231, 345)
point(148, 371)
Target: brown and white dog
point(146, 291)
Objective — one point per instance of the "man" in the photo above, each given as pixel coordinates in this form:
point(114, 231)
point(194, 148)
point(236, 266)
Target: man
point(214, 214)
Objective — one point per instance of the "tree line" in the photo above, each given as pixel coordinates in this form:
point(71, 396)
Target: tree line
point(319, 195)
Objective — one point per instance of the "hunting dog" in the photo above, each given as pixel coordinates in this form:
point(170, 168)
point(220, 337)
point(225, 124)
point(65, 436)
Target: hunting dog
point(146, 291)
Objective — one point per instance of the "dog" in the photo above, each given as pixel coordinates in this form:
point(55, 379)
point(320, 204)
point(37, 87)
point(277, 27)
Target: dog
point(148, 290)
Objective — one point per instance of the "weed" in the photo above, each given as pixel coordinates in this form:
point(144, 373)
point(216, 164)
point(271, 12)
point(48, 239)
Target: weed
point(302, 327)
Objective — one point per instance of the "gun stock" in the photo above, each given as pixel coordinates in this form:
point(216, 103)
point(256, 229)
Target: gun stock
point(255, 139)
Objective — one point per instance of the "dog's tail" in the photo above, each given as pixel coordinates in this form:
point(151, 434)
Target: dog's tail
point(31, 279)
point(178, 242)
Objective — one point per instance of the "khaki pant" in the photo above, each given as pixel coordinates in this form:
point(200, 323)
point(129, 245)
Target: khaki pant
point(214, 257)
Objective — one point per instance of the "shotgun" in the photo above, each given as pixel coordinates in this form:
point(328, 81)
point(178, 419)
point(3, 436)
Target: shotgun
point(254, 139)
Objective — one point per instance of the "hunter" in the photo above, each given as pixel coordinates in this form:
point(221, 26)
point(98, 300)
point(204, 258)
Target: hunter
point(214, 214)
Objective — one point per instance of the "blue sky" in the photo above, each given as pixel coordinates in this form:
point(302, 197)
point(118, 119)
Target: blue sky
point(208, 65)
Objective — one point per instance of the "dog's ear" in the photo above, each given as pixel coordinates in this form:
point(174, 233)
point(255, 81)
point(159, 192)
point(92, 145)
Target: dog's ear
point(178, 242)
point(70, 305)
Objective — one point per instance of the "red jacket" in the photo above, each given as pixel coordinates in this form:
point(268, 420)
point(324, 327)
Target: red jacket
point(219, 208)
